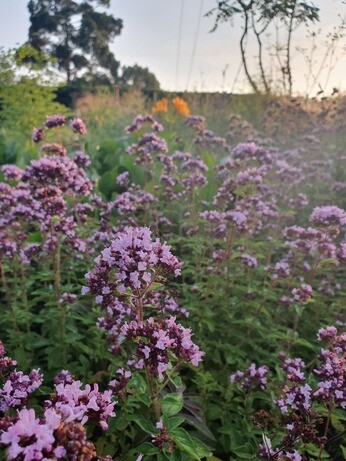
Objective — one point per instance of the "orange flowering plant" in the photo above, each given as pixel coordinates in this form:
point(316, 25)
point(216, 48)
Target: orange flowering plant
point(181, 106)
point(160, 106)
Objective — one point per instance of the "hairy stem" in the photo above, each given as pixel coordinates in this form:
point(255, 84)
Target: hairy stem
point(152, 392)
point(7, 300)
point(330, 410)
point(24, 295)
point(61, 309)
point(3, 282)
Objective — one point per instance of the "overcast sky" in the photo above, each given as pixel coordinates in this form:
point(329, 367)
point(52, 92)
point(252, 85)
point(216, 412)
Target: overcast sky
point(206, 61)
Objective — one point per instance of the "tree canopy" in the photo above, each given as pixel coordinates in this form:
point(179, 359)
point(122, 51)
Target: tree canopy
point(257, 16)
point(141, 77)
point(76, 34)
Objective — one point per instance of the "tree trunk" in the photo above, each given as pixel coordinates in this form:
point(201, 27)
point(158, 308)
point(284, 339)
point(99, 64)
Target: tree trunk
point(260, 55)
point(288, 51)
point(243, 52)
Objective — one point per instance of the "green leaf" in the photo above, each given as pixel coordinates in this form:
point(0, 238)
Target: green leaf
point(172, 422)
point(147, 448)
point(34, 237)
point(199, 426)
point(328, 261)
point(243, 455)
point(146, 425)
point(144, 398)
point(44, 390)
point(303, 342)
point(176, 380)
point(107, 183)
point(189, 444)
point(171, 404)
point(313, 450)
point(119, 423)
point(177, 455)
point(138, 383)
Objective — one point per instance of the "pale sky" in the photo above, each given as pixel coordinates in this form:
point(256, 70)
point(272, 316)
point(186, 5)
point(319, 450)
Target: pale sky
point(207, 61)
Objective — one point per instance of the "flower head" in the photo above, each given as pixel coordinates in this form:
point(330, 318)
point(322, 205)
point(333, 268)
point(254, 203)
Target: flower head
point(53, 121)
point(37, 135)
point(325, 216)
point(160, 106)
point(78, 126)
point(132, 261)
point(181, 106)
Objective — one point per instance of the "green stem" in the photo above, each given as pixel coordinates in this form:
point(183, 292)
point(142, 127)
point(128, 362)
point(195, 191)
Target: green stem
point(3, 283)
point(153, 394)
point(164, 384)
point(56, 271)
point(330, 410)
point(7, 300)
point(24, 296)
point(228, 269)
point(298, 315)
point(61, 308)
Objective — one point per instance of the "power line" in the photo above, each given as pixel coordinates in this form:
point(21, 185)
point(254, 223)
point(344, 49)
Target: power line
point(179, 43)
point(194, 44)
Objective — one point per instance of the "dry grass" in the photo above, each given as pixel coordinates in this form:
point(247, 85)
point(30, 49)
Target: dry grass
point(107, 109)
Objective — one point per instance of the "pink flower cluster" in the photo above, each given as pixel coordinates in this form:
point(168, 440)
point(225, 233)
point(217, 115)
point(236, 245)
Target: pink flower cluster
point(266, 452)
point(54, 121)
point(244, 202)
point(307, 248)
point(133, 200)
point(5, 362)
point(122, 178)
point(208, 138)
point(62, 172)
point(118, 385)
point(57, 121)
point(78, 126)
point(196, 122)
point(332, 369)
point(133, 261)
point(82, 159)
point(16, 386)
point(29, 437)
point(253, 376)
point(164, 303)
point(182, 174)
point(120, 282)
point(297, 403)
point(293, 368)
point(326, 216)
point(140, 120)
point(303, 293)
point(248, 260)
point(59, 432)
point(156, 340)
point(146, 146)
point(12, 172)
point(77, 404)
point(296, 398)
point(41, 201)
point(161, 439)
point(224, 221)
